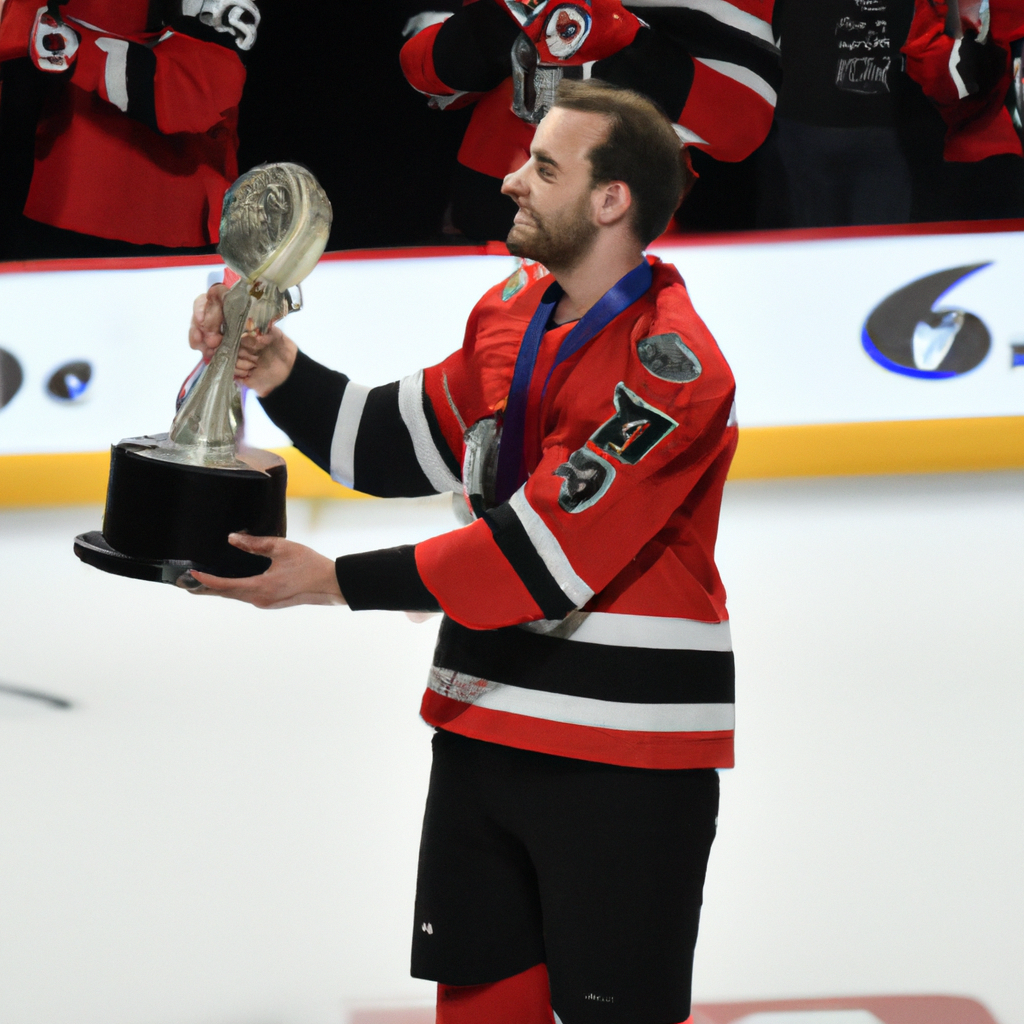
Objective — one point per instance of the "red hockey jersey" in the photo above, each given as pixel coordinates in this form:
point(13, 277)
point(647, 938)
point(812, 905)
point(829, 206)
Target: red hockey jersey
point(712, 65)
point(979, 123)
point(585, 616)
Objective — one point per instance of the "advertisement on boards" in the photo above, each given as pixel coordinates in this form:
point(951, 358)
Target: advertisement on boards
point(820, 331)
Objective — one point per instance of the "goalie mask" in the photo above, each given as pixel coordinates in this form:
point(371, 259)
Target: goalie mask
point(534, 84)
point(566, 31)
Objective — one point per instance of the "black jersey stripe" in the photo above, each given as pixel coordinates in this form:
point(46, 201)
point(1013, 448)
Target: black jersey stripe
point(140, 76)
point(514, 543)
point(654, 65)
point(473, 48)
point(385, 461)
point(701, 35)
point(640, 675)
point(306, 407)
point(386, 579)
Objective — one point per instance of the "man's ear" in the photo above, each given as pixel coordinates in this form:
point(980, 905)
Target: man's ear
point(613, 201)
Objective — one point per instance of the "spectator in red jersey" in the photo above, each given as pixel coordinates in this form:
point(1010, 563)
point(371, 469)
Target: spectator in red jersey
point(960, 55)
point(133, 121)
point(711, 65)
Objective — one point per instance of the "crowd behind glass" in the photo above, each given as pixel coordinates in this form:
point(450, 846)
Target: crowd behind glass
point(123, 121)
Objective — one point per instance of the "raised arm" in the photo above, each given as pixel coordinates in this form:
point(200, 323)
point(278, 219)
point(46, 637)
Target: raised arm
point(966, 77)
point(383, 441)
point(468, 53)
point(178, 84)
point(712, 65)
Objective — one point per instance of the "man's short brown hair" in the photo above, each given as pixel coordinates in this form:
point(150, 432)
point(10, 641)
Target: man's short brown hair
point(641, 150)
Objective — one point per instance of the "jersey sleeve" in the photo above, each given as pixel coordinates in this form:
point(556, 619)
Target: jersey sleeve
point(383, 441)
point(470, 52)
point(585, 512)
point(16, 21)
point(712, 65)
point(195, 83)
point(967, 81)
point(179, 84)
point(933, 59)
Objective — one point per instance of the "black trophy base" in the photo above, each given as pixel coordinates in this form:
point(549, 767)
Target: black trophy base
point(164, 518)
point(92, 549)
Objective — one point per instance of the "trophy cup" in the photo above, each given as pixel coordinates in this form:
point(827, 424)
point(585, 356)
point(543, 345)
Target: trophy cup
point(172, 499)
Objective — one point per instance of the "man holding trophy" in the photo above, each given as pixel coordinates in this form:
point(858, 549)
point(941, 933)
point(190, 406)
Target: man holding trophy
point(582, 685)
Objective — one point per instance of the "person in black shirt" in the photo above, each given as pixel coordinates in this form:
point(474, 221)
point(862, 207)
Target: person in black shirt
point(835, 121)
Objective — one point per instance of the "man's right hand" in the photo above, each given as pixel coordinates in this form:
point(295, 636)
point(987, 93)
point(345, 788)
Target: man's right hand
point(264, 360)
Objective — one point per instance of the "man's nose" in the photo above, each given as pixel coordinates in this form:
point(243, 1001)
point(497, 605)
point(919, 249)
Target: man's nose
point(512, 185)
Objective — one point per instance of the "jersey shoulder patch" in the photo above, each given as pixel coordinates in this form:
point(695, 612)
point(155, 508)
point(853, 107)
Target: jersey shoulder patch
point(667, 357)
point(526, 273)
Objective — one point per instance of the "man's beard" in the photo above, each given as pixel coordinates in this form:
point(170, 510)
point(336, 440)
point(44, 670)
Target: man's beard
point(559, 242)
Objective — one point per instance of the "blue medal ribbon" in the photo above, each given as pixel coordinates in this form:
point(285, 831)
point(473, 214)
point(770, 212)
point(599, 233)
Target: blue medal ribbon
point(511, 472)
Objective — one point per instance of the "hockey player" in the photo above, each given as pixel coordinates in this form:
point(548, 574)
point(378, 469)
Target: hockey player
point(582, 685)
point(712, 66)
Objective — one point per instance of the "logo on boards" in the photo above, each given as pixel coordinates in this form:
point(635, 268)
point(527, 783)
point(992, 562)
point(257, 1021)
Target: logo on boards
point(907, 334)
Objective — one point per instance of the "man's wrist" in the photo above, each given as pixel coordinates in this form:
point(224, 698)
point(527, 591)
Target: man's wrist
point(283, 354)
point(328, 582)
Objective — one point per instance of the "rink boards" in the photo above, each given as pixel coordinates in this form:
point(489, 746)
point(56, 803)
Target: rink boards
point(853, 353)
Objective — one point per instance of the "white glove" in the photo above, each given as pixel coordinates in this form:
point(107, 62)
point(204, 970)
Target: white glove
point(418, 22)
point(239, 17)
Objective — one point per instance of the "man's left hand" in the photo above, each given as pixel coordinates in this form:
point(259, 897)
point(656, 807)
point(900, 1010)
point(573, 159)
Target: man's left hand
point(297, 575)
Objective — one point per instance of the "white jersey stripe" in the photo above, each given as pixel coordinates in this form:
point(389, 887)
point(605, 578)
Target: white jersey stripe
point(721, 11)
point(115, 72)
point(606, 714)
point(687, 137)
point(343, 446)
point(585, 711)
point(738, 73)
point(656, 632)
point(410, 405)
point(962, 91)
point(550, 551)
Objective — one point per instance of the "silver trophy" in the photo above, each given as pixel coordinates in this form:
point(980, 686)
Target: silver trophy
point(172, 499)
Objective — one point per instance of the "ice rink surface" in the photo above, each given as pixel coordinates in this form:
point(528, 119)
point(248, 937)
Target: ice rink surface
point(223, 828)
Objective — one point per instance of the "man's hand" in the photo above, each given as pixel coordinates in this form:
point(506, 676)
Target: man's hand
point(264, 360)
point(297, 575)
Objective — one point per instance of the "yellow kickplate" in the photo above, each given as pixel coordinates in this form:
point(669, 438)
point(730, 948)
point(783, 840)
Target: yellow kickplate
point(834, 449)
point(307, 480)
point(903, 446)
point(77, 478)
point(80, 478)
